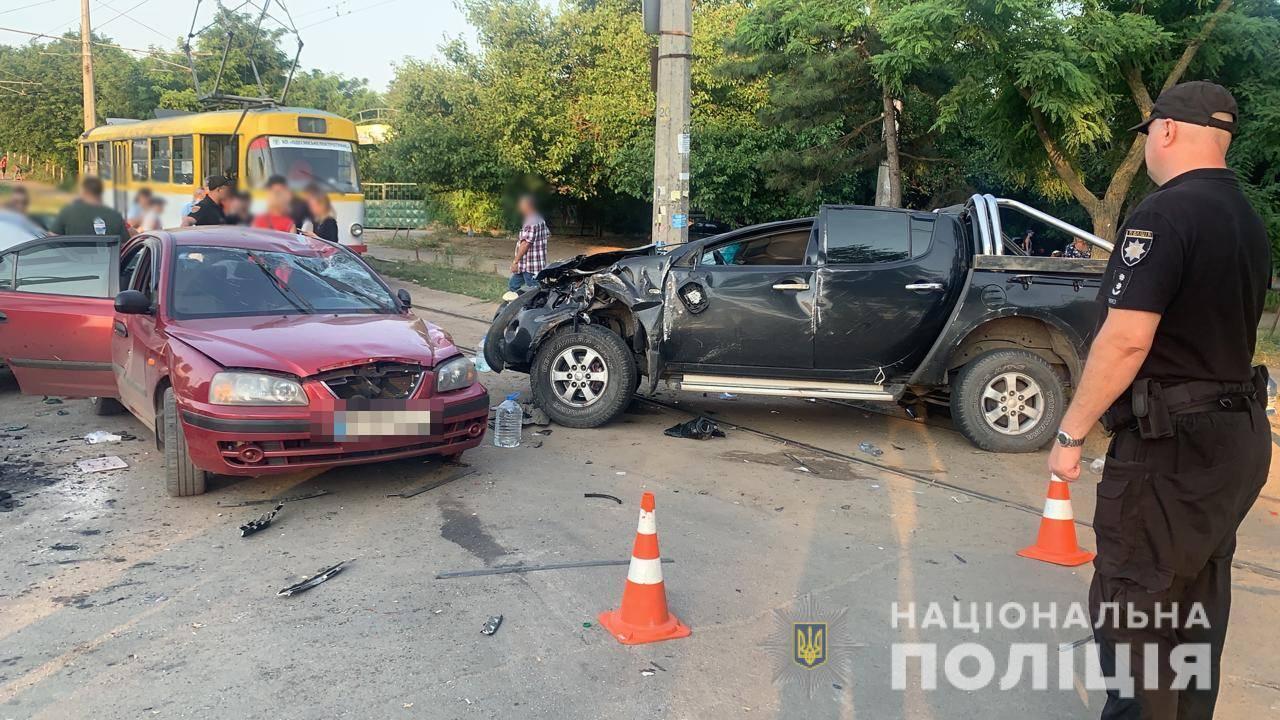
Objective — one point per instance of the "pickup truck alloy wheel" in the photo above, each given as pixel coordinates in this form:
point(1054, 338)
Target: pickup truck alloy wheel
point(559, 376)
point(1011, 403)
point(1009, 400)
point(579, 376)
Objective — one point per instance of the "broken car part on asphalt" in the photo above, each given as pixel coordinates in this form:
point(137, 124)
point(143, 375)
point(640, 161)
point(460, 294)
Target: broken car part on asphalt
point(603, 496)
point(261, 523)
point(699, 428)
point(314, 580)
point(491, 625)
point(508, 569)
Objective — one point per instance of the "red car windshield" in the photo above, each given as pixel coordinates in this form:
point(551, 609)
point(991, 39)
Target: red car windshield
point(228, 282)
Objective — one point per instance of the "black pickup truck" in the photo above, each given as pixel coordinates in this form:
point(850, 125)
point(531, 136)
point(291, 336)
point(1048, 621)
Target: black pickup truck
point(858, 303)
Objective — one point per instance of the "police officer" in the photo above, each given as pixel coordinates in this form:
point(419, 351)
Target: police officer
point(1170, 367)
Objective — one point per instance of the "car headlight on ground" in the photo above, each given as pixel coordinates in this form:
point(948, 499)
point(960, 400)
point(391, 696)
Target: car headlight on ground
point(242, 388)
point(455, 374)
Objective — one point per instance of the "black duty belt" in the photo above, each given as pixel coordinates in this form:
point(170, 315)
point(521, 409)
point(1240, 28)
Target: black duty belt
point(1151, 406)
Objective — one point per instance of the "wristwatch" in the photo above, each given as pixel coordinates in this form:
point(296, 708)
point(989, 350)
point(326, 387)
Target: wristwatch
point(1065, 439)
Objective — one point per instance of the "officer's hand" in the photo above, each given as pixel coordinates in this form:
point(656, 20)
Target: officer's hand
point(1065, 462)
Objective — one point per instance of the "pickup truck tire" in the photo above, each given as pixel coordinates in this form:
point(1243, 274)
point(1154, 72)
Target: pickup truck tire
point(566, 371)
point(105, 406)
point(181, 477)
point(983, 408)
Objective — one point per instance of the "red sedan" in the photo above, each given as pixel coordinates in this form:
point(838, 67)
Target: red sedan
point(248, 352)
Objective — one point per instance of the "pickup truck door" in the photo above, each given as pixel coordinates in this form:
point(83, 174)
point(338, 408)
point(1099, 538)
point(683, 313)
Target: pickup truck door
point(885, 287)
point(746, 302)
point(57, 304)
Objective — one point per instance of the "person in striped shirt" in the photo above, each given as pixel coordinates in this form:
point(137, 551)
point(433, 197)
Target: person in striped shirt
point(531, 246)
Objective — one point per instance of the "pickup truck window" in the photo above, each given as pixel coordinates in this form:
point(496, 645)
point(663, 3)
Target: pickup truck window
point(778, 249)
point(861, 236)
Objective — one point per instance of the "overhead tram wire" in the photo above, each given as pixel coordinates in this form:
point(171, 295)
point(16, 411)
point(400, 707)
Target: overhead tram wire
point(24, 7)
point(349, 12)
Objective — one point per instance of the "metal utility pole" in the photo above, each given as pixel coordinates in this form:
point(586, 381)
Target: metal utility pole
point(86, 68)
point(671, 136)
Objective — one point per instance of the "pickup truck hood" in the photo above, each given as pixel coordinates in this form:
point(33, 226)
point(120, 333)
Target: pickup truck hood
point(304, 345)
point(577, 266)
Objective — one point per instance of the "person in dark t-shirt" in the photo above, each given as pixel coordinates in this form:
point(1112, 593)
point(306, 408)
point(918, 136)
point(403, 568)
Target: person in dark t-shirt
point(209, 211)
point(86, 215)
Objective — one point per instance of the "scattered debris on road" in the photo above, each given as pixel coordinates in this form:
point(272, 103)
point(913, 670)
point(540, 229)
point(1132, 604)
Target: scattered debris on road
point(52, 400)
point(544, 431)
point(101, 436)
point(699, 428)
point(507, 569)
point(64, 547)
point(801, 465)
point(648, 672)
point(278, 501)
point(491, 625)
point(431, 485)
point(870, 449)
point(603, 496)
point(102, 464)
point(261, 523)
point(314, 580)
point(15, 428)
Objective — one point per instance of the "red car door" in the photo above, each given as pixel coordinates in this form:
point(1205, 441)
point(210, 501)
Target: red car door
point(57, 306)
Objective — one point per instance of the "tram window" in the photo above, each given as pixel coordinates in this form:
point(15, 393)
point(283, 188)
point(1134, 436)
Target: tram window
point(104, 161)
point(184, 171)
point(141, 169)
point(89, 159)
point(220, 156)
point(160, 159)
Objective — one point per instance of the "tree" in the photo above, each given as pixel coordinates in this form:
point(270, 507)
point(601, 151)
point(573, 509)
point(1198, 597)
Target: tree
point(1055, 86)
point(816, 59)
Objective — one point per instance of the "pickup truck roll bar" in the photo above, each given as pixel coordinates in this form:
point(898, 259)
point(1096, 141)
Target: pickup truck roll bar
point(985, 209)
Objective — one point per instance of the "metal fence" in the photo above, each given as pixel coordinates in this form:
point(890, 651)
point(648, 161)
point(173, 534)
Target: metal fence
point(394, 205)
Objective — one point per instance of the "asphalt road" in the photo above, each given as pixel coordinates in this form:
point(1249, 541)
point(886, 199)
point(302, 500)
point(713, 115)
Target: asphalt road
point(118, 602)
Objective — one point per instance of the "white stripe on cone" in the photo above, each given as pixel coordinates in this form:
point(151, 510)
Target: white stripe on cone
point(1057, 509)
point(648, 524)
point(645, 572)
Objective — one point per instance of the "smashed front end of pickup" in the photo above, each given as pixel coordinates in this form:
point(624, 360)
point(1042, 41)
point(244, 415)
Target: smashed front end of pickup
point(620, 291)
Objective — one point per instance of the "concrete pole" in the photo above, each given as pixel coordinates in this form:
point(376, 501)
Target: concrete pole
point(671, 136)
point(86, 68)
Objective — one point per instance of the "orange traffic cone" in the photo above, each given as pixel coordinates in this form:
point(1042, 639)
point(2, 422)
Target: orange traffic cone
point(643, 616)
point(1056, 542)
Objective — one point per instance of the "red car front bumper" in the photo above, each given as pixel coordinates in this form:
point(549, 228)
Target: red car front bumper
point(265, 441)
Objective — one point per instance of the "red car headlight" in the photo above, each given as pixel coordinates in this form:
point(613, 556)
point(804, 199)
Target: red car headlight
point(241, 388)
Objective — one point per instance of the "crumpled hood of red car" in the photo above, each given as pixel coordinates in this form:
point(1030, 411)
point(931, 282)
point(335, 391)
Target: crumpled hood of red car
point(304, 345)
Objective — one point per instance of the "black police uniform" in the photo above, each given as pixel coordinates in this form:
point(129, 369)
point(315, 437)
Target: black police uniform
point(1192, 444)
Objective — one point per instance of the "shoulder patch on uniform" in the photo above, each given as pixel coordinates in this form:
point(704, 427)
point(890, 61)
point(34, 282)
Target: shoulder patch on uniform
point(1137, 243)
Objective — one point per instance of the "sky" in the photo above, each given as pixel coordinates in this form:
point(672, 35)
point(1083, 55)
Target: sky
point(359, 38)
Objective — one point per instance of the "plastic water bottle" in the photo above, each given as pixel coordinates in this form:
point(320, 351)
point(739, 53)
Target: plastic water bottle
point(507, 423)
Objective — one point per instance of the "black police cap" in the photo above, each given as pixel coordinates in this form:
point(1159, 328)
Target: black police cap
point(1194, 102)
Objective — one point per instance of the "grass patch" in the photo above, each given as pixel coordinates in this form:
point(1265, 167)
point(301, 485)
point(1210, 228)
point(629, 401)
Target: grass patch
point(1267, 351)
point(462, 281)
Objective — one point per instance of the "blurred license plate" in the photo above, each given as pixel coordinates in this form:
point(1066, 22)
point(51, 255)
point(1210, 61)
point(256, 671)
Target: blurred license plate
point(352, 424)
